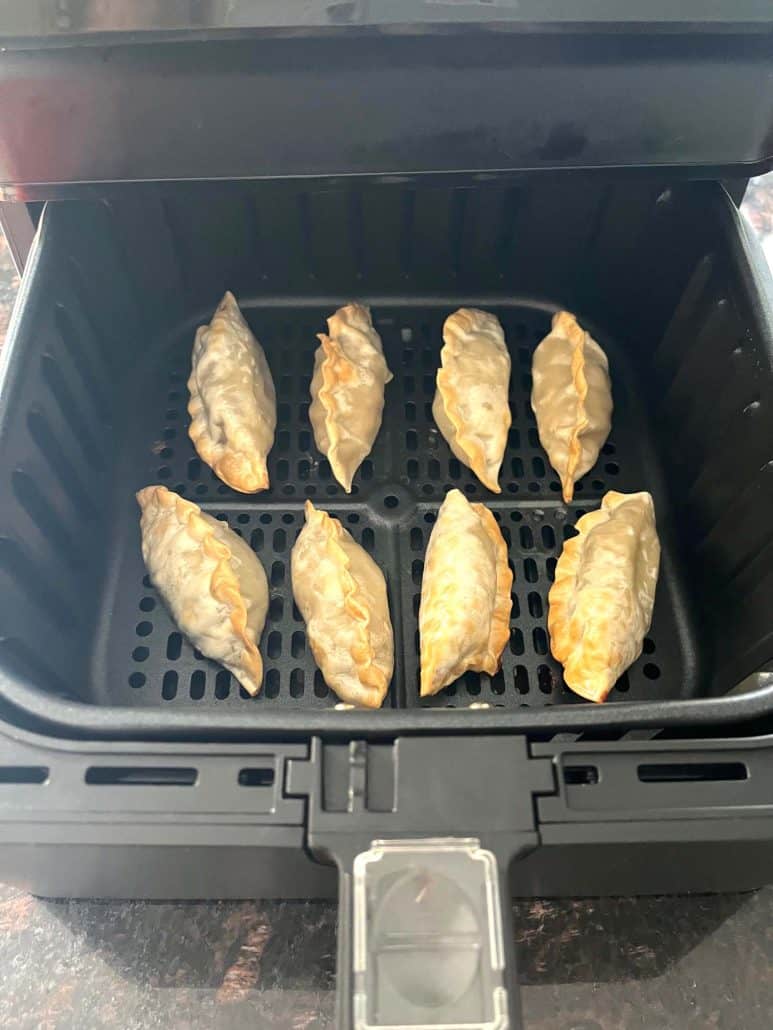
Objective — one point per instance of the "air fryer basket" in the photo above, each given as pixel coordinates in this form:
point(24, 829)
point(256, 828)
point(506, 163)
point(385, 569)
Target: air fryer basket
point(94, 407)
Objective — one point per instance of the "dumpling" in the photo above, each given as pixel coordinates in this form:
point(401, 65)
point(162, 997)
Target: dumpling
point(464, 616)
point(600, 605)
point(572, 399)
point(341, 593)
point(470, 406)
point(233, 402)
point(211, 581)
point(347, 391)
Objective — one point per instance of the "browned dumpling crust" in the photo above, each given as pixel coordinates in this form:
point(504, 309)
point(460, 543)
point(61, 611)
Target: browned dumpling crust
point(210, 579)
point(571, 398)
point(233, 402)
point(341, 594)
point(464, 616)
point(600, 605)
point(347, 391)
point(471, 405)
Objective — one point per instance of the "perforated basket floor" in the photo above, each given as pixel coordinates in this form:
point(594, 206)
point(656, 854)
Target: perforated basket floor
point(141, 659)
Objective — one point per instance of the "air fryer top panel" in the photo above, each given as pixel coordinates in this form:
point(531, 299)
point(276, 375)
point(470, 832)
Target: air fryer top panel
point(28, 23)
point(94, 407)
point(380, 104)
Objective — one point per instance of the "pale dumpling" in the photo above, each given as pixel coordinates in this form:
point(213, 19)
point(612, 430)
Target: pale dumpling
point(347, 391)
point(233, 402)
point(571, 398)
point(471, 408)
point(211, 581)
point(341, 594)
point(464, 616)
point(600, 605)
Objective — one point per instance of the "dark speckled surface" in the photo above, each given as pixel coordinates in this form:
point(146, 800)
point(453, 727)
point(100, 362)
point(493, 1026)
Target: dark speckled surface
point(613, 964)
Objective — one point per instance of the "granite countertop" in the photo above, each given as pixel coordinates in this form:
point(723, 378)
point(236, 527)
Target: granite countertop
point(610, 964)
point(616, 964)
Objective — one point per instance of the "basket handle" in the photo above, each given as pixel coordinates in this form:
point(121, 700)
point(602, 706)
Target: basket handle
point(423, 831)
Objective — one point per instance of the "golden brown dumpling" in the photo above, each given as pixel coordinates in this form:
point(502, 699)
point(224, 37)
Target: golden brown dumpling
point(211, 581)
point(464, 616)
point(470, 406)
point(571, 398)
point(233, 402)
point(341, 593)
point(347, 391)
point(600, 605)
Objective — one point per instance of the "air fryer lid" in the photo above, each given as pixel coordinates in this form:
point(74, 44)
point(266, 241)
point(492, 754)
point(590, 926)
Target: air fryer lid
point(377, 89)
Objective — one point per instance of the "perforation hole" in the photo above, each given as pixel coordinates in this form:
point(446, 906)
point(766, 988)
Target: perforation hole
point(243, 519)
point(411, 440)
point(296, 683)
point(623, 684)
point(538, 467)
point(410, 411)
point(550, 568)
point(276, 609)
point(516, 642)
point(417, 568)
point(649, 645)
point(548, 537)
point(391, 502)
point(272, 683)
point(144, 629)
point(544, 679)
point(472, 683)
point(412, 469)
point(298, 644)
point(174, 646)
point(535, 607)
point(169, 685)
point(416, 605)
point(608, 448)
point(277, 574)
point(304, 466)
point(417, 539)
point(612, 468)
point(147, 604)
point(140, 654)
point(430, 517)
point(280, 540)
point(320, 687)
point(164, 472)
point(366, 470)
point(274, 645)
point(222, 684)
point(198, 685)
point(137, 680)
point(516, 467)
point(304, 440)
point(540, 638)
point(651, 671)
point(530, 570)
point(521, 679)
point(527, 538)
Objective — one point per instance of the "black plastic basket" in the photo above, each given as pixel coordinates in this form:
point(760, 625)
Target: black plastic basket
point(94, 407)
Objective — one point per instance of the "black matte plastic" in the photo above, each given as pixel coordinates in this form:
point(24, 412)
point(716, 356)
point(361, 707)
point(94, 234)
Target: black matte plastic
point(651, 96)
point(93, 407)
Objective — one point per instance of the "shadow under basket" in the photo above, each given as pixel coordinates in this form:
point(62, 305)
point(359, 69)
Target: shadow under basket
point(94, 406)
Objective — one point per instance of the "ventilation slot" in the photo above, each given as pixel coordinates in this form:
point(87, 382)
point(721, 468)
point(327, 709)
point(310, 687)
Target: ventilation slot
point(256, 777)
point(20, 774)
point(692, 772)
point(580, 775)
point(140, 776)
